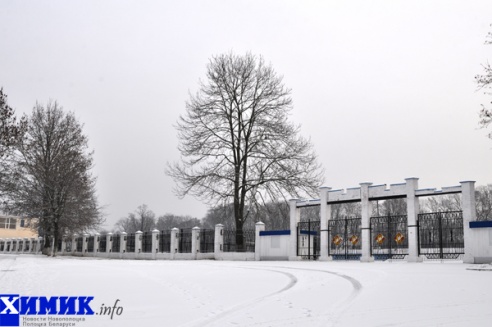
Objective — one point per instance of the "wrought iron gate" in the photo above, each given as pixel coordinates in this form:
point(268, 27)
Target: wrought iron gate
point(308, 244)
point(441, 235)
point(389, 237)
point(345, 239)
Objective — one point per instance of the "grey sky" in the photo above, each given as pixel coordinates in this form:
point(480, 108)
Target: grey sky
point(385, 89)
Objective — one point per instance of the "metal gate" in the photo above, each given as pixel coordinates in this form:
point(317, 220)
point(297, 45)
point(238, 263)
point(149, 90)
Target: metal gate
point(441, 235)
point(389, 237)
point(345, 239)
point(308, 244)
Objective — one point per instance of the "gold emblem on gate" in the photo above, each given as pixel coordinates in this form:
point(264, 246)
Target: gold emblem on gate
point(399, 238)
point(337, 240)
point(354, 239)
point(380, 238)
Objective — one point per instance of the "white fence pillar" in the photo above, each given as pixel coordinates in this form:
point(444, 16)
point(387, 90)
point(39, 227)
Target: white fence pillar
point(413, 209)
point(324, 216)
point(155, 242)
point(97, 237)
point(295, 216)
point(85, 240)
point(174, 242)
point(123, 236)
point(109, 242)
point(259, 227)
point(366, 222)
point(195, 241)
point(138, 241)
point(469, 214)
point(218, 241)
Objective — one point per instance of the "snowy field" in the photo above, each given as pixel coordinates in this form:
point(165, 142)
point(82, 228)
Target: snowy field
point(220, 293)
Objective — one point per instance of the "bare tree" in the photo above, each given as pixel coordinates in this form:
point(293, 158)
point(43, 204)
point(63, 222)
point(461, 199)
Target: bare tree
point(485, 82)
point(143, 219)
point(169, 221)
point(441, 203)
point(236, 142)
point(483, 198)
point(50, 177)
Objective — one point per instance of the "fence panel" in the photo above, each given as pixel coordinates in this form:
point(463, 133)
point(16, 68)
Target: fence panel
point(389, 237)
point(165, 241)
point(207, 240)
point(130, 243)
point(102, 243)
point(345, 239)
point(184, 240)
point(147, 242)
point(232, 238)
point(115, 247)
point(441, 235)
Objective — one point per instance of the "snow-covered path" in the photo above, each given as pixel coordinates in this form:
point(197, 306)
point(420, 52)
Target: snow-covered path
point(220, 293)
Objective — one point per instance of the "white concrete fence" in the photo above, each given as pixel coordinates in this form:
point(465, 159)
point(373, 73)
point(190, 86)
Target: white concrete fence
point(21, 245)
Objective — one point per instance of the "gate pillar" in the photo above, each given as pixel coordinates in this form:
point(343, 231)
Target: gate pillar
point(324, 217)
point(295, 217)
point(469, 214)
point(366, 222)
point(413, 209)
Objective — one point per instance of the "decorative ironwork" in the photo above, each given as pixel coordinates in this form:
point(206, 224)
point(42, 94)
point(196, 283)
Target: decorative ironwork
point(147, 242)
point(103, 244)
point(165, 241)
point(68, 245)
point(232, 238)
point(441, 235)
point(115, 246)
point(207, 240)
point(79, 241)
point(308, 244)
point(344, 237)
point(184, 240)
point(90, 244)
point(130, 243)
point(389, 237)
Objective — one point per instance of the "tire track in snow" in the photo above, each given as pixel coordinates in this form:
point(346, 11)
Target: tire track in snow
point(244, 305)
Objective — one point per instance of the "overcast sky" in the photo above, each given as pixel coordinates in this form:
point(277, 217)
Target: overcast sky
point(384, 89)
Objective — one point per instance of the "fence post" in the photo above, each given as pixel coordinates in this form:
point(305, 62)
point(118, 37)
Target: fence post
point(324, 216)
point(109, 243)
point(259, 227)
point(413, 209)
point(85, 240)
point(155, 242)
point(218, 241)
point(122, 242)
point(63, 245)
point(469, 214)
point(174, 242)
point(295, 216)
point(366, 222)
point(39, 246)
point(195, 242)
point(138, 241)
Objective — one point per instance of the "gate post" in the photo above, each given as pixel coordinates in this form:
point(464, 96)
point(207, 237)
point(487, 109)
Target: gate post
point(413, 209)
point(365, 222)
point(324, 217)
point(218, 241)
point(469, 214)
point(295, 217)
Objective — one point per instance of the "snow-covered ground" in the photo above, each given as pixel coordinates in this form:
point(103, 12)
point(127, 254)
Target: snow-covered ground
point(220, 293)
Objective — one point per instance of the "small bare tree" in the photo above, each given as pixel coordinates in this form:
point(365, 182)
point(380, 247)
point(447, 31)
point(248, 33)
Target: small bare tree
point(485, 82)
point(50, 176)
point(236, 142)
point(143, 219)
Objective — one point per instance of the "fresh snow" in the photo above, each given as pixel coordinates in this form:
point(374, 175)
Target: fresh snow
point(275, 293)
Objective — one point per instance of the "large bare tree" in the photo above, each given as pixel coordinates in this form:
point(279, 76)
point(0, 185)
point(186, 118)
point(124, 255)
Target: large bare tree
point(143, 219)
point(236, 142)
point(50, 177)
point(484, 81)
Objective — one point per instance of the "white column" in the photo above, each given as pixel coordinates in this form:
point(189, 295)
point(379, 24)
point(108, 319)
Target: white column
point(295, 216)
point(123, 242)
point(195, 241)
point(85, 239)
point(366, 222)
point(413, 209)
point(96, 243)
point(324, 216)
point(218, 241)
point(469, 214)
point(174, 242)
point(259, 227)
point(138, 241)
point(155, 242)
point(109, 242)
